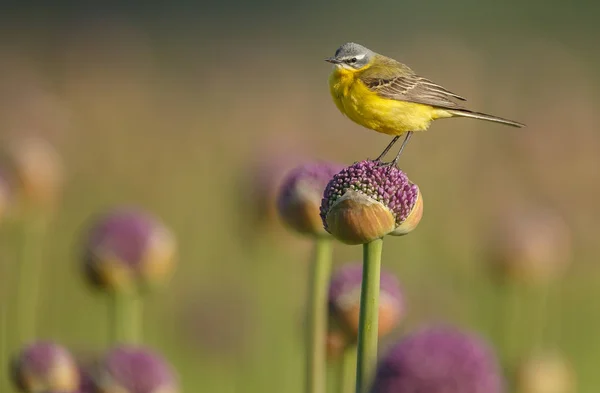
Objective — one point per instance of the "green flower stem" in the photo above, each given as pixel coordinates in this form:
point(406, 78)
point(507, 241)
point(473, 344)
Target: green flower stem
point(347, 370)
point(4, 352)
point(539, 315)
point(510, 298)
point(369, 315)
point(125, 317)
point(30, 235)
point(317, 314)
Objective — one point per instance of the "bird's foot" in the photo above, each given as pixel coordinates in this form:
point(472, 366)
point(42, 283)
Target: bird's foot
point(382, 164)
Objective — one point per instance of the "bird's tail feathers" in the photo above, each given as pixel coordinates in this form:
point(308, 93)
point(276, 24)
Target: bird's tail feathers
point(483, 116)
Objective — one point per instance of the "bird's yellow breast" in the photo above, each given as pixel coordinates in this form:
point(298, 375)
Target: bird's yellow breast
point(354, 99)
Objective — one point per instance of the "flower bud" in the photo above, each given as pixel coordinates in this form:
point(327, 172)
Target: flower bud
point(45, 366)
point(128, 248)
point(533, 246)
point(127, 369)
point(439, 360)
point(545, 373)
point(336, 342)
point(344, 300)
point(367, 201)
point(38, 172)
point(300, 197)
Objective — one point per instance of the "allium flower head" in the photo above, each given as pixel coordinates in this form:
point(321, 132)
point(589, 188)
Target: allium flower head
point(300, 197)
point(367, 201)
point(38, 171)
point(129, 247)
point(128, 369)
point(531, 246)
point(438, 360)
point(344, 300)
point(545, 373)
point(45, 366)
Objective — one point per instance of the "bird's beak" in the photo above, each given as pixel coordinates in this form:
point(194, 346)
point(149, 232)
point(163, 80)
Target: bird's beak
point(332, 60)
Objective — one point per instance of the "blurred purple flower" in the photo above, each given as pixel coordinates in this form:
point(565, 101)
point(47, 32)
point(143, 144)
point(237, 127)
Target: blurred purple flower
point(127, 369)
point(439, 360)
point(38, 171)
point(45, 366)
point(344, 300)
point(128, 247)
point(533, 245)
point(300, 196)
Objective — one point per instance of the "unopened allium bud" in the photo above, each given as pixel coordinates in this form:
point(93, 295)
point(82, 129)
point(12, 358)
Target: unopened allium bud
point(545, 373)
point(127, 248)
point(439, 360)
point(533, 246)
point(300, 197)
point(367, 201)
point(344, 300)
point(45, 366)
point(127, 369)
point(38, 172)
point(336, 342)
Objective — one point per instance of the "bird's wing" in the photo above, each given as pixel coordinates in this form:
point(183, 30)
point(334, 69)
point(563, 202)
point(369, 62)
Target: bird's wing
point(407, 86)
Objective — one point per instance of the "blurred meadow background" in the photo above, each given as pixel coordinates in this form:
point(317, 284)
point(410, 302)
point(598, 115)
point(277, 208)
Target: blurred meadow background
point(194, 111)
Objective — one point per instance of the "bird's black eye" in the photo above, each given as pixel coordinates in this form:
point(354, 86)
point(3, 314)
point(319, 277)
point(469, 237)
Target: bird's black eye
point(352, 60)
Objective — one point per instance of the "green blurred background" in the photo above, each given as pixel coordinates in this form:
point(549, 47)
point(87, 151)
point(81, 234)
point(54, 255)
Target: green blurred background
point(174, 106)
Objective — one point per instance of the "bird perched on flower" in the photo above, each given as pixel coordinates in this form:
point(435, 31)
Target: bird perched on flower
point(386, 96)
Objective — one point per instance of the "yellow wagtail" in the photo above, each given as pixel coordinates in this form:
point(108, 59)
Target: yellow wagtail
point(387, 96)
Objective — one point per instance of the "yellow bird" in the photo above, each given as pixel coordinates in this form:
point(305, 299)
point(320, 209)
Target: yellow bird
point(385, 95)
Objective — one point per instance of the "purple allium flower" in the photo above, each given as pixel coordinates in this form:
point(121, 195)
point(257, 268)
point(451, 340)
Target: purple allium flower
point(129, 247)
point(129, 369)
point(439, 360)
point(531, 246)
point(344, 300)
point(44, 366)
point(300, 197)
point(367, 201)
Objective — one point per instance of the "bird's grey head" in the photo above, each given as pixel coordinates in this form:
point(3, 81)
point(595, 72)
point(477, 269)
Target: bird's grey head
point(351, 56)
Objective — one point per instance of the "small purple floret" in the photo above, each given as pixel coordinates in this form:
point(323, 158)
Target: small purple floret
point(388, 185)
point(439, 360)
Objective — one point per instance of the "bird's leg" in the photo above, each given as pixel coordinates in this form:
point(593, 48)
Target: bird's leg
point(388, 148)
point(406, 139)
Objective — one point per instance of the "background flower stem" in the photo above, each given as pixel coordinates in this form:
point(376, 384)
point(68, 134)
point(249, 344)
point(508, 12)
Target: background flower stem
point(369, 318)
point(317, 314)
point(347, 370)
point(29, 243)
point(125, 317)
point(510, 317)
point(539, 315)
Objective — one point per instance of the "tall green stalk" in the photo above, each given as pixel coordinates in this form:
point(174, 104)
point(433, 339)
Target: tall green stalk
point(125, 310)
point(4, 352)
point(369, 315)
point(510, 316)
point(317, 315)
point(539, 294)
point(29, 243)
point(347, 370)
